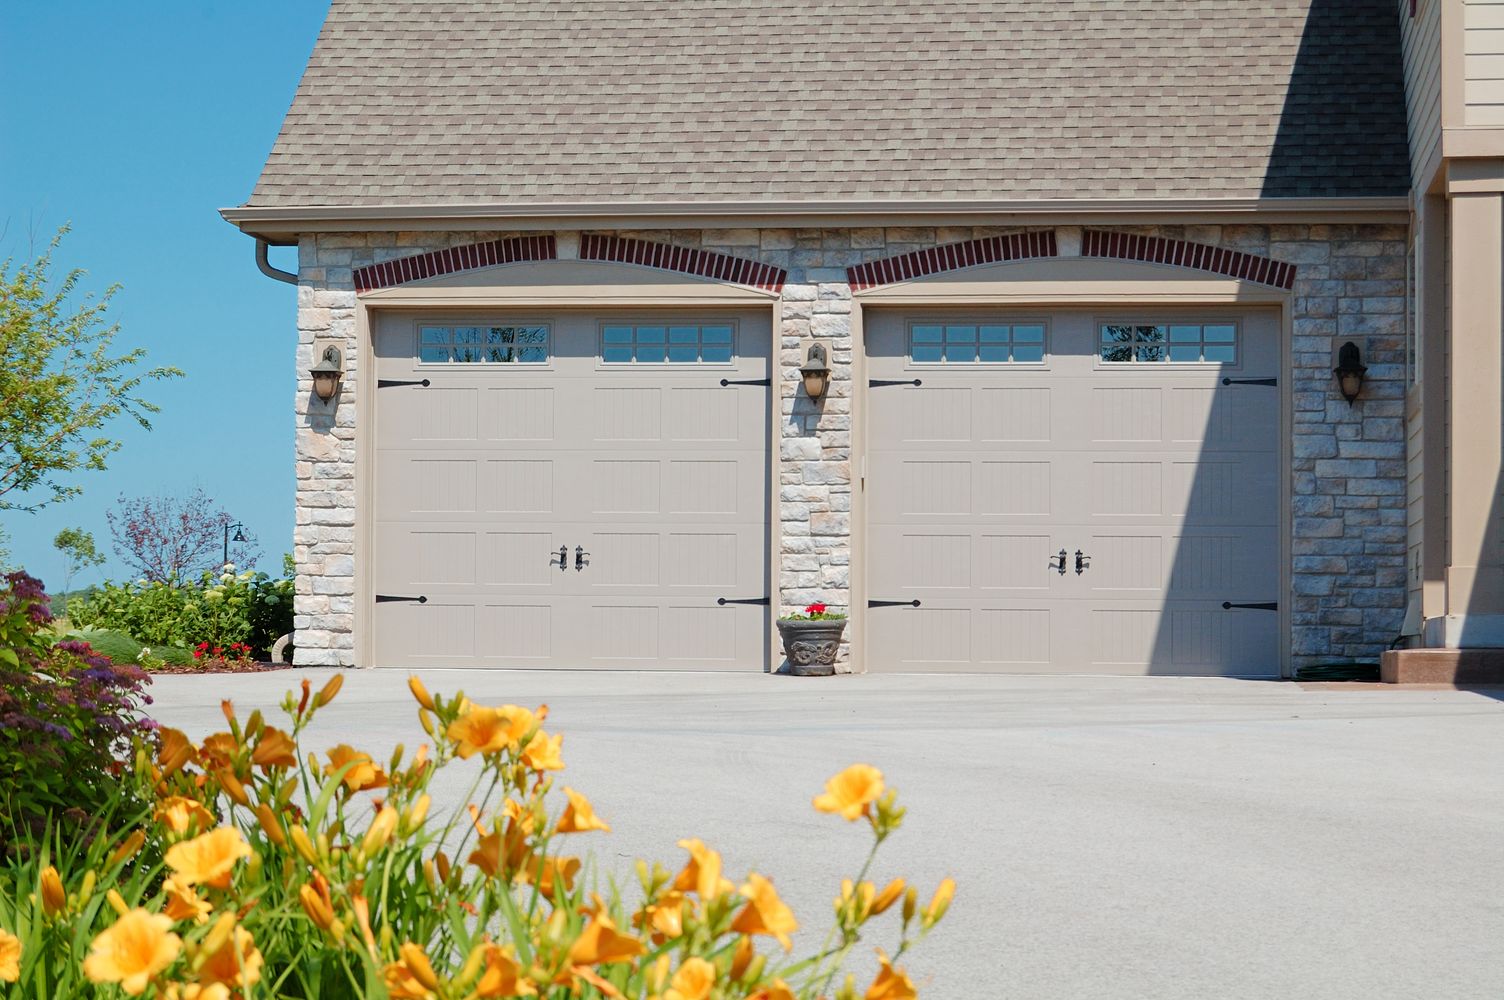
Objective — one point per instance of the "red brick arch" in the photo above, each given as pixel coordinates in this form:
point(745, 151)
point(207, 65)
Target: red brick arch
point(453, 259)
point(1183, 253)
point(684, 260)
point(951, 257)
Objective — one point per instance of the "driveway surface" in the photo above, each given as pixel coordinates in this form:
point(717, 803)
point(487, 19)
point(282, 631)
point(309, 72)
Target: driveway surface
point(1124, 838)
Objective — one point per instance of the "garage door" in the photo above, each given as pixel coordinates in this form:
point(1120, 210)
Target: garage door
point(572, 490)
point(1072, 491)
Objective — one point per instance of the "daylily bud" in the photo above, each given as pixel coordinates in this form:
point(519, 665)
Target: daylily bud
point(430, 874)
point(218, 935)
point(910, 903)
point(128, 848)
point(232, 787)
point(303, 845)
point(270, 826)
point(417, 964)
point(940, 902)
point(742, 957)
point(253, 725)
point(426, 721)
point(117, 903)
point(472, 965)
point(320, 912)
point(86, 891)
point(420, 692)
point(888, 896)
point(755, 968)
point(380, 831)
point(848, 988)
point(658, 973)
point(442, 860)
point(326, 695)
point(228, 708)
point(416, 814)
point(303, 702)
point(54, 899)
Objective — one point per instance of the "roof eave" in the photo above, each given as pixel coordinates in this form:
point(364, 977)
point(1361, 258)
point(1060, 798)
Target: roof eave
point(283, 223)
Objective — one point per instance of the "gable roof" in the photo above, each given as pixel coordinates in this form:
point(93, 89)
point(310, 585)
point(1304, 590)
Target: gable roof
point(718, 101)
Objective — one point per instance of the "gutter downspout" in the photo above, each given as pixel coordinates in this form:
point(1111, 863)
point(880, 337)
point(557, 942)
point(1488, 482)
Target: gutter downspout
point(266, 265)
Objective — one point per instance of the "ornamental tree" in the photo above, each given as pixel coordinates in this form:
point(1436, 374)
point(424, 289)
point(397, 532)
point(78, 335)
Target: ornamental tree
point(172, 539)
point(62, 385)
point(79, 552)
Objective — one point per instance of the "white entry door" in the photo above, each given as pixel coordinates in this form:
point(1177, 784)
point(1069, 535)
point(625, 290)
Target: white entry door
point(1073, 491)
point(572, 489)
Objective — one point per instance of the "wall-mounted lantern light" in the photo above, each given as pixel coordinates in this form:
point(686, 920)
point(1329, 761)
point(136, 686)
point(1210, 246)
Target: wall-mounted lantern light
point(1349, 371)
point(816, 371)
point(327, 373)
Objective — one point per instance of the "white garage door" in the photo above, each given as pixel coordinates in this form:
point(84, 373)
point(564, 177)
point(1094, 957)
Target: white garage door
point(573, 490)
point(1073, 491)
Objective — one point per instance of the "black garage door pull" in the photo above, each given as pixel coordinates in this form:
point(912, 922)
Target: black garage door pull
point(387, 383)
point(1250, 381)
point(723, 601)
point(389, 598)
point(745, 381)
point(1262, 606)
point(873, 383)
point(894, 604)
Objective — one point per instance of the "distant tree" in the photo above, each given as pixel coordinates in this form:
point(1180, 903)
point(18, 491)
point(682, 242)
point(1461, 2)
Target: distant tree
point(61, 386)
point(173, 539)
point(79, 552)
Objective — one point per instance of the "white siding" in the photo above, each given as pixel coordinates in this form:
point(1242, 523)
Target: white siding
point(1483, 58)
point(1421, 38)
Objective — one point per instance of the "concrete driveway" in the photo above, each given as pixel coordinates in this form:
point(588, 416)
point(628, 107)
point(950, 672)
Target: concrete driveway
point(1145, 838)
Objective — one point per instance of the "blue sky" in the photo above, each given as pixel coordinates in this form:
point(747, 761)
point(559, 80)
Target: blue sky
point(135, 123)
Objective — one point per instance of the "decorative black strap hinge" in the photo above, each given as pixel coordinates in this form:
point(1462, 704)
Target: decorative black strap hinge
point(389, 598)
point(1250, 381)
point(894, 604)
point(745, 381)
point(387, 383)
point(1260, 606)
point(873, 383)
point(723, 601)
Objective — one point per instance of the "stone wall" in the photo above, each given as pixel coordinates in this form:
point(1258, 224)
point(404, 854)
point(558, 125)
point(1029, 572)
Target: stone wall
point(1348, 567)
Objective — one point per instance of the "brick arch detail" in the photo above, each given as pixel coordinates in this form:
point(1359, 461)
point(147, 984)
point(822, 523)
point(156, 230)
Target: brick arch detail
point(1183, 253)
point(453, 259)
point(951, 257)
point(684, 260)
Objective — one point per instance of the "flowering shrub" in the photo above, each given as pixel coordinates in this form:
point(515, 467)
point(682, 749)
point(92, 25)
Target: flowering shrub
point(236, 654)
point(286, 873)
point(248, 608)
point(68, 716)
point(814, 613)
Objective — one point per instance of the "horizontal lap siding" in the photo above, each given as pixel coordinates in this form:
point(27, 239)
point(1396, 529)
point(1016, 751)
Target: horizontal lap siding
point(1421, 38)
point(1483, 63)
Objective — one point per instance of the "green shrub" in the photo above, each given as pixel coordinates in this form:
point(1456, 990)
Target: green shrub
point(219, 609)
point(121, 648)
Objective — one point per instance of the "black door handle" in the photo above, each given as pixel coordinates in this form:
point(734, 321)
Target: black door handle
point(563, 562)
point(581, 557)
point(1083, 563)
point(1057, 563)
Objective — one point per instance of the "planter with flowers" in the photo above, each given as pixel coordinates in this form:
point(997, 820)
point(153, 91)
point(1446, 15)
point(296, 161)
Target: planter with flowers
point(811, 640)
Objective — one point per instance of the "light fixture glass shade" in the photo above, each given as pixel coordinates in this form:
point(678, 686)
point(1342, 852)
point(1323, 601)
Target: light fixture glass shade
point(326, 374)
point(1350, 371)
point(816, 371)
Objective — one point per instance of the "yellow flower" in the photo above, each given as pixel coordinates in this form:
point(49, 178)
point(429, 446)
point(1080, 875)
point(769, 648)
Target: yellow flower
point(235, 963)
point(196, 991)
point(364, 775)
point(274, 749)
point(486, 730)
point(182, 815)
point(54, 897)
point(579, 816)
point(941, 901)
point(765, 913)
point(208, 859)
point(693, 981)
point(137, 947)
point(852, 792)
point(10, 957)
point(542, 752)
point(601, 943)
point(891, 983)
point(413, 977)
point(503, 976)
point(183, 903)
point(702, 874)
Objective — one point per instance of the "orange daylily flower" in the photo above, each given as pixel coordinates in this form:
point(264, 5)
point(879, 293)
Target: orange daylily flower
point(133, 950)
point(765, 913)
point(702, 874)
point(693, 981)
point(852, 792)
point(549, 873)
point(590, 976)
point(235, 963)
point(579, 816)
point(364, 775)
point(542, 752)
point(778, 990)
point(54, 896)
point(487, 730)
point(601, 943)
point(217, 751)
point(208, 859)
point(182, 815)
point(413, 977)
point(891, 983)
point(274, 749)
point(176, 750)
point(665, 916)
point(499, 851)
point(183, 903)
point(503, 976)
point(10, 957)
point(196, 991)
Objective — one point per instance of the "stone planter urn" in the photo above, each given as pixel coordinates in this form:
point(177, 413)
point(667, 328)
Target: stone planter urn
point(811, 644)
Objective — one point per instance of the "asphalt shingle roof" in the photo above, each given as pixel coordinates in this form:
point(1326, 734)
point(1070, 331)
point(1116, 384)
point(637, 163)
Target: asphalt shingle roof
point(531, 101)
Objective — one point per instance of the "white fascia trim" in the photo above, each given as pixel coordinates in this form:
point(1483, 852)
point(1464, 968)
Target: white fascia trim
point(309, 218)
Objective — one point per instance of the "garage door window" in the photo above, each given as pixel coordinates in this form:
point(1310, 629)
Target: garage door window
point(666, 343)
point(1174, 343)
point(972, 343)
point(483, 344)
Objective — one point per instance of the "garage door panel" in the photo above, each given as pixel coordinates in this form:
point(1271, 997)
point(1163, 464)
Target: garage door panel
point(437, 632)
point(519, 414)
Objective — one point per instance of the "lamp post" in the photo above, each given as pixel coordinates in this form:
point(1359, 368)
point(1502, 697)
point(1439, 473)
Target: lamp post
point(239, 537)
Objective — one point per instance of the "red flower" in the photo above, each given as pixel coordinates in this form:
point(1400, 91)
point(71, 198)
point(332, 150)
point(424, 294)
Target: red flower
point(815, 609)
